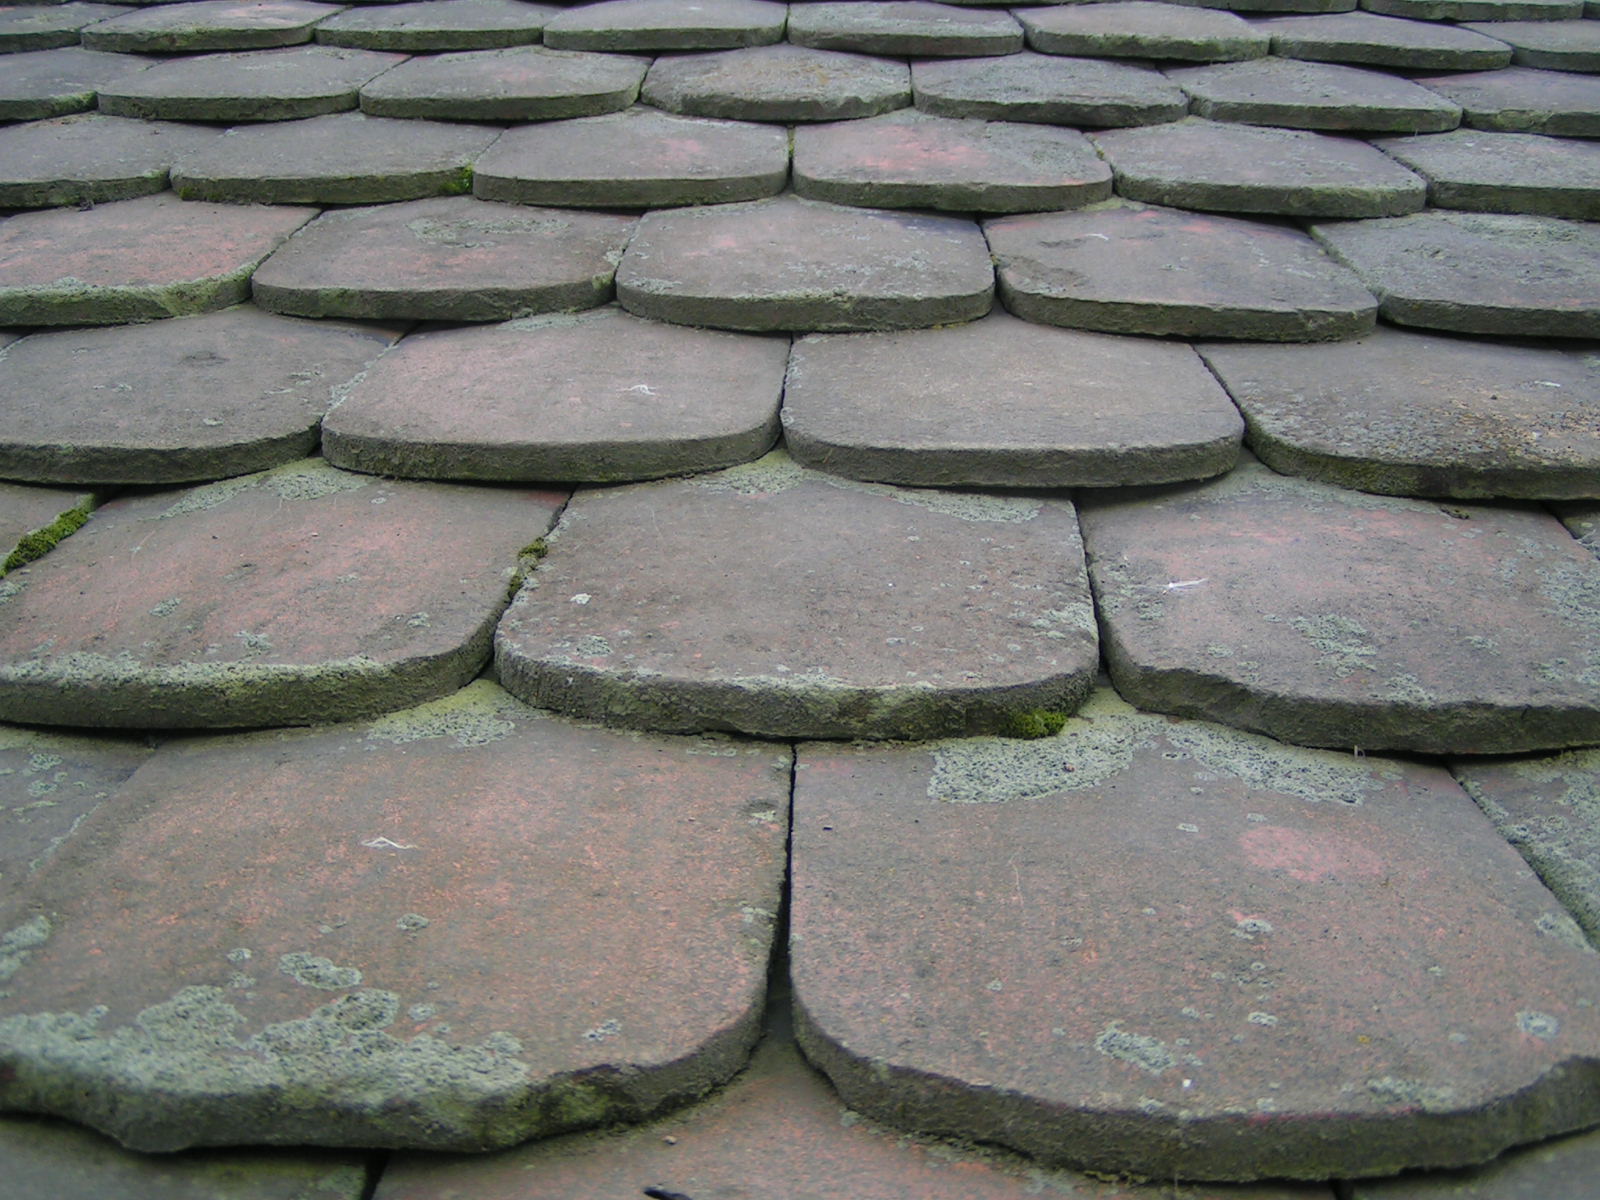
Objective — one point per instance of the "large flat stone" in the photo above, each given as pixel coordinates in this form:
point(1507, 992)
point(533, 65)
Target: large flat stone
point(912, 159)
point(652, 26)
point(1274, 6)
point(1333, 618)
point(602, 397)
point(1142, 29)
point(1219, 165)
point(1557, 1170)
point(1122, 268)
point(908, 28)
point(638, 158)
point(174, 401)
point(451, 258)
point(423, 25)
point(1004, 403)
point(1504, 172)
point(1168, 948)
point(457, 927)
point(300, 595)
point(1046, 88)
point(52, 83)
point(34, 519)
point(1524, 100)
point(134, 260)
point(778, 83)
point(1478, 10)
point(1410, 414)
point(89, 158)
point(1477, 272)
point(47, 26)
point(521, 83)
point(1572, 45)
point(786, 603)
point(1314, 95)
point(209, 25)
point(340, 158)
point(1369, 39)
point(788, 263)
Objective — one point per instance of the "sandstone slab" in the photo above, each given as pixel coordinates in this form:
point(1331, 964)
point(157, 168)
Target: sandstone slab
point(653, 26)
point(451, 258)
point(1046, 88)
point(1380, 623)
point(904, 28)
point(1487, 171)
point(1524, 100)
point(1314, 95)
point(89, 158)
point(778, 83)
point(300, 595)
point(426, 25)
point(174, 401)
point(802, 605)
point(251, 85)
point(411, 926)
point(1004, 403)
point(600, 397)
point(1563, 1169)
point(788, 263)
point(520, 83)
point(1369, 39)
point(53, 83)
point(1478, 10)
point(45, 27)
point(1168, 948)
point(209, 25)
point(34, 519)
point(1571, 45)
point(1122, 268)
point(1143, 29)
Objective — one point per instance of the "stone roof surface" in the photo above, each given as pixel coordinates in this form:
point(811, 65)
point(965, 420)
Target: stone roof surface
point(736, 599)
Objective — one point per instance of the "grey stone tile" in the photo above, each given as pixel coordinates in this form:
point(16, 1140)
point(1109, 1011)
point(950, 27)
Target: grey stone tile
point(1309, 95)
point(1047, 88)
point(520, 83)
point(53, 83)
point(1572, 45)
point(909, 28)
point(1369, 39)
point(651, 26)
point(46, 26)
point(1485, 171)
point(209, 25)
point(433, 25)
point(1478, 10)
point(778, 83)
point(90, 158)
point(1142, 29)
point(1524, 100)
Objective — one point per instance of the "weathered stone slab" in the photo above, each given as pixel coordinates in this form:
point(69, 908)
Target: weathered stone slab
point(1046, 88)
point(803, 605)
point(1561, 1170)
point(638, 158)
point(44, 27)
point(209, 25)
point(89, 158)
point(778, 83)
point(1195, 163)
point(1333, 618)
point(908, 28)
point(1557, 45)
point(1477, 272)
point(340, 158)
point(1142, 29)
point(1274, 6)
point(252, 85)
point(1171, 949)
point(1524, 100)
point(912, 159)
point(1478, 10)
point(1414, 415)
point(1004, 403)
point(424, 25)
point(788, 263)
point(451, 258)
point(1122, 268)
point(1313, 95)
point(602, 397)
point(1504, 172)
point(34, 519)
point(52, 83)
point(174, 401)
point(412, 927)
point(301, 595)
point(1372, 40)
point(651, 26)
point(1583, 522)
point(134, 260)
point(521, 83)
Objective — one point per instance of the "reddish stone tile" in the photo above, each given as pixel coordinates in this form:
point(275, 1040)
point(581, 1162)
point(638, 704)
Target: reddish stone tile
point(450, 258)
point(778, 83)
point(522, 83)
point(1048, 89)
point(174, 401)
point(1141, 29)
point(299, 595)
point(33, 520)
point(1572, 45)
point(437, 25)
point(1505, 172)
point(457, 927)
point(1369, 39)
point(1335, 618)
point(89, 158)
point(651, 26)
point(1478, 10)
point(1310, 95)
point(601, 397)
point(1524, 100)
point(134, 260)
point(1168, 948)
point(908, 28)
point(1557, 1170)
point(44, 27)
point(209, 25)
point(52, 83)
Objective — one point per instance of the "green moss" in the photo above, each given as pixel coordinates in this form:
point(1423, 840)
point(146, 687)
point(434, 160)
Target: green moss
point(1034, 723)
point(458, 184)
point(41, 541)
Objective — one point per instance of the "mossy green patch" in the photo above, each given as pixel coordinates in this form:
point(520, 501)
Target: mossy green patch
point(41, 541)
point(1034, 723)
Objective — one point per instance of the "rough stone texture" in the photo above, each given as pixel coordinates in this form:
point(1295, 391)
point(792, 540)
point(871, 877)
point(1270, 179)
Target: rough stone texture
point(1477, 272)
point(778, 83)
point(1203, 164)
point(1524, 100)
point(1275, 6)
point(1169, 948)
point(341, 158)
point(1333, 618)
point(1142, 29)
point(453, 928)
point(1478, 10)
point(44, 27)
point(437, 25)
point(1556, 45)
point(52, 83)
point(602, 397)
point(134, 260)
point(1557, 1170)
point(1414, 415)
point(1504, 172)
point(301, 595)
point(521, 83)
point(650, 26)
point(174, 401)
point(1004, 403)
point(802, 605)
point(911, 159)
point(34, 518)
point(788, 263)
point(89, 158)
point(1583, 522)
point(1372, 40)
point(209, 25)
point(253, 85)
point(1312, 95)
point(1046, 88)
point(638, 158)
point(909, 28)
point(451, 258)
point(1123, 268)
